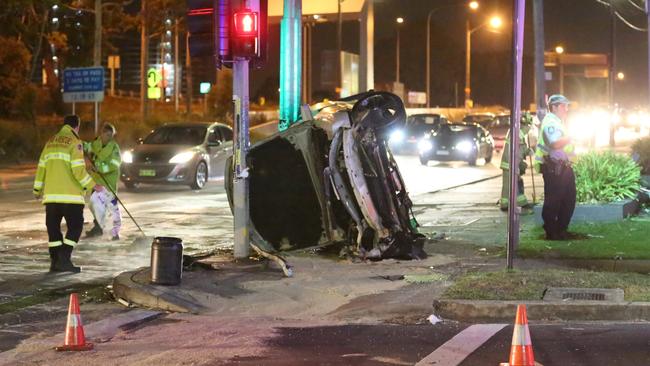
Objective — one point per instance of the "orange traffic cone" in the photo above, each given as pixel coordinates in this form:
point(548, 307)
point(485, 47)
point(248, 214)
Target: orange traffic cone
point(75, 339)
point(521, 351)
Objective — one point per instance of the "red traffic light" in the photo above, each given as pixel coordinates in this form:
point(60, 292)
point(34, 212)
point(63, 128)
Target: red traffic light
point(246, 23)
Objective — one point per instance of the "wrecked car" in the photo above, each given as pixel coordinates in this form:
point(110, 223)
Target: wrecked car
point(332, 179)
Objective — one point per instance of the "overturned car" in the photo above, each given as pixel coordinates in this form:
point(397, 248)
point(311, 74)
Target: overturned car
point(332, 179)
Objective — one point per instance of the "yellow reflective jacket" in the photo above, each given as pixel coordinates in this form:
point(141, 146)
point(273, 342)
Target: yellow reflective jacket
point(107, 160)
point(61, 176)
point(543, 149)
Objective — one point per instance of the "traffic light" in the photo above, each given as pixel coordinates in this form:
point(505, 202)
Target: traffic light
point(245, 33)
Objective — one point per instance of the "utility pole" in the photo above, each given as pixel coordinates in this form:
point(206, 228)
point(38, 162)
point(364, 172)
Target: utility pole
point(540, 73)
point(519, 13)
point(144, 55)
point(290, 65)
point(97, 46)
point(339, 46)
point(612, 72)
point(468, 62)
point(647, 11)
point(188, 76)
point(240, 183)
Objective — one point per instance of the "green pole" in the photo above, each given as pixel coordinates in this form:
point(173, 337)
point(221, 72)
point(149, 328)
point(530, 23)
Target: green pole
point(290, 63)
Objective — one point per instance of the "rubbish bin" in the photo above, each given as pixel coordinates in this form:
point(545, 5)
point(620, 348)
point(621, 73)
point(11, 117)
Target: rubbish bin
point(166, 260)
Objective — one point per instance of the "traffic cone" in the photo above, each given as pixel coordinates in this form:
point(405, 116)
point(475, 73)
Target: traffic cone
point(75, 339)
point(521, 351)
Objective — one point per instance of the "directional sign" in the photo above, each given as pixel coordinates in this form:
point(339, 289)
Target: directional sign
point(83, 84)
point(153, 81)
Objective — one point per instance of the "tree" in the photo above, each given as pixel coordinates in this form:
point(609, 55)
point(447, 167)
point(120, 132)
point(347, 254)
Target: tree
point(14, 66)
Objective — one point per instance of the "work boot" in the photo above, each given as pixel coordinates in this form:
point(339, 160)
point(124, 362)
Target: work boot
point(53, 258)
point(115, 238)
point(95, 231)
point(64, 264)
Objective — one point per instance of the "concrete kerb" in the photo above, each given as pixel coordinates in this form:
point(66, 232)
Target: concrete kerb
point(497, 310)
point(128, 286)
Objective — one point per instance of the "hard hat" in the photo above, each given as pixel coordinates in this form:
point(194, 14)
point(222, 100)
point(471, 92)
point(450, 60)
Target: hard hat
point(558, 99)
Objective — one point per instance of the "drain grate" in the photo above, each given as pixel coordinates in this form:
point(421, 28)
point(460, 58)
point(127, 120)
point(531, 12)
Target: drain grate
point(583, 296)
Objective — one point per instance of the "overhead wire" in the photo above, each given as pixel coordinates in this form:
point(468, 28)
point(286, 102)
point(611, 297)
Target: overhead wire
point(621, 17)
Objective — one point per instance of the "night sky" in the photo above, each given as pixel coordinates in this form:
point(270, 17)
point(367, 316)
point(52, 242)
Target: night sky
point(579, 25)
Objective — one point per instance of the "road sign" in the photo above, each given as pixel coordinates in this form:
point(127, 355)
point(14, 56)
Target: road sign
point(417, 97)
point(154, 78)
point(204, 87)
point(84, 84)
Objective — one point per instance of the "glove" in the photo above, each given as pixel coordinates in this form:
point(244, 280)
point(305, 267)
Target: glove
point(38, 195)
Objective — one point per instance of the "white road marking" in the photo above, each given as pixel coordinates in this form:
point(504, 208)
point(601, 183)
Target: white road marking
point(455, 350)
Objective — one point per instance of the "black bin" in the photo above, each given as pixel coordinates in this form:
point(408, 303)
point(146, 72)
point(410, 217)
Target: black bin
point(166, 260)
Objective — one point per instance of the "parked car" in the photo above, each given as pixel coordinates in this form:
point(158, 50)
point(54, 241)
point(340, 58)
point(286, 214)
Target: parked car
point(405, 139)
point(179, 153)
point(457, 142)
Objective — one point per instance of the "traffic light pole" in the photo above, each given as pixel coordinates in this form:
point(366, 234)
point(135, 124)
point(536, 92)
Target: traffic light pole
point(240, 150)
point(519, 13)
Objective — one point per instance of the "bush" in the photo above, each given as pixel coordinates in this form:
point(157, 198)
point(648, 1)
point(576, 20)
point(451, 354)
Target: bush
point(603, 177)
point(14, 66)
point(641, 151)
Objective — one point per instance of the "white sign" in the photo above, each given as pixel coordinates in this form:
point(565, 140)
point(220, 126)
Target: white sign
point(417, 97)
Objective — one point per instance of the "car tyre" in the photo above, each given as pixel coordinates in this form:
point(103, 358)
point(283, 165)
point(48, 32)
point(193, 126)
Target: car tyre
point(424, 161)
point(200, 176)
point(472, 160)
point(488, 158)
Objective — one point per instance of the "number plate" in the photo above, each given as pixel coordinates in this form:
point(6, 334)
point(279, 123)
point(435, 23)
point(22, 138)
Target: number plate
point(442, 152)
point(147, 173)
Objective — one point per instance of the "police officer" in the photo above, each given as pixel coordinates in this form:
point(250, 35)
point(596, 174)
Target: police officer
point(524, 150)
point(553, 158)
point(62, 182)
point(105, 157)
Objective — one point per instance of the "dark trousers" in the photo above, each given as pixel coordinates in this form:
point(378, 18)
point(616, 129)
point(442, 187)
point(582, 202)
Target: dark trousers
point(74, 219)
point(559, 198)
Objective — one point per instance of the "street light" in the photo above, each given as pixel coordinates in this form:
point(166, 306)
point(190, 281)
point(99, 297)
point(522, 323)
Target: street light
point(559, 50)
point(495, 22)
point(399, 21)
point(473, 5)
point(620, 76)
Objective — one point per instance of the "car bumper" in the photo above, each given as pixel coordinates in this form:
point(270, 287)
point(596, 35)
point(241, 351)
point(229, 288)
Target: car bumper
point(157, 173)
point(451, 155)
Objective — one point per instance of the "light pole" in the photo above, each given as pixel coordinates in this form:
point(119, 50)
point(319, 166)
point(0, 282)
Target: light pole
point(473, 5)
point(399, 21)
point(560, 50)
point(494, 23)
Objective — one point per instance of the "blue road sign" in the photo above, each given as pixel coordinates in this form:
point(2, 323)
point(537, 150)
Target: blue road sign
point(84, 84)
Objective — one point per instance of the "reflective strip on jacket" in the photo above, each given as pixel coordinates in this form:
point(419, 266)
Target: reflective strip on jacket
point(523, 149)
point(543, 150)
point(107, 160)
point(61, 176)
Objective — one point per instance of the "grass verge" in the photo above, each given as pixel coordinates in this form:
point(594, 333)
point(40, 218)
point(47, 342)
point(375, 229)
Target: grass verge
point(530, 285)
point(627, 239)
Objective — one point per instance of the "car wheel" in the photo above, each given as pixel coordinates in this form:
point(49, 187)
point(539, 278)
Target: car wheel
point(131, 185)
point(472, 160)
point(200, 176)
point(424, 161)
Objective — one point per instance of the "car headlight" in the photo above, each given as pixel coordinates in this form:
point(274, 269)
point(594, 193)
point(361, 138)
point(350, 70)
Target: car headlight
point(464, 146)
point(127, 157)
point(425, 145)
point(396, 136)
point(182, 158)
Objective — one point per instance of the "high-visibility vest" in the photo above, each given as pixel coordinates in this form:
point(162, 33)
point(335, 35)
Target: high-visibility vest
point(61, 176)
point(523, 149)
point(543, 150)
point(107, 160)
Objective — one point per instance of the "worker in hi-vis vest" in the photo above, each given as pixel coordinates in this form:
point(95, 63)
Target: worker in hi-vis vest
point(524, 151)
point(553, 159)
point(61, 183)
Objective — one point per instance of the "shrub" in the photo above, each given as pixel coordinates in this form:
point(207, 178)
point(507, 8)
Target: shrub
point(641, 151)
point(14, 65)
point(606, 177)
